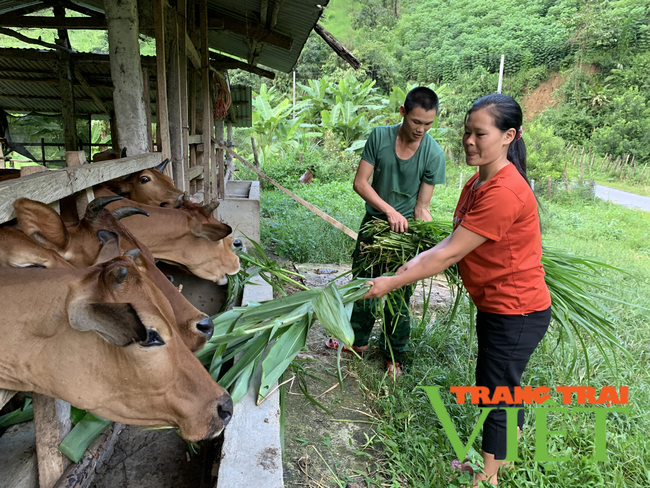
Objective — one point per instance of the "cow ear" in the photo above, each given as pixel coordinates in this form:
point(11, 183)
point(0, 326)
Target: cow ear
point(117, 323)
point(41, 223)
point(110, 246)
point(212, 232)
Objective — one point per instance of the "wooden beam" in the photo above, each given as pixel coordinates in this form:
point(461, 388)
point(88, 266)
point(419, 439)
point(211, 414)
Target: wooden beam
point(162, 115)
point(339, 48)
point(38, 97)
point(221, 62)
point(221, 21)
point(196, 171)
point(57, 184)
point(88, 89)
point(86, 23)
point(50, 81)
point(207, 98)
point(191, 52)
point(29, 40)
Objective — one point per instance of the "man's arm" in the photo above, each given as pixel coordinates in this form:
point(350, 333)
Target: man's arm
point(362, 186)
point(423, 203)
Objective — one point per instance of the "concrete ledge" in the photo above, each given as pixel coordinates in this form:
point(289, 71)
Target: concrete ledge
point(18, 465)
point(252, 453)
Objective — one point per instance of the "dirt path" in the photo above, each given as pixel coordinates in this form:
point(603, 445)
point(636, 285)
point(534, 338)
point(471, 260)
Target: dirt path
point(338, 450)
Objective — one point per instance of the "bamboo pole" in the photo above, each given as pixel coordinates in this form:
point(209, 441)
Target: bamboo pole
point(320, 213)
point(207, 100)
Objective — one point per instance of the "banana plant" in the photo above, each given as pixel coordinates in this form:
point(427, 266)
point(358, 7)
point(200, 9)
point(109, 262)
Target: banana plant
point(346, 121)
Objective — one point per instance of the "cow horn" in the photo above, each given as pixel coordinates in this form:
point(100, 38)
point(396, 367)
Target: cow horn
point(132, 253)
point(97, 205)
point(161, 166)
point(119, 274)
point(210, 207)
point(121, 212)
point(123, 153)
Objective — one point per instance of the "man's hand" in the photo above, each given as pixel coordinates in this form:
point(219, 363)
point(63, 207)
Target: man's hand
point(397, 221)
point(379, 287)
point(421, 213)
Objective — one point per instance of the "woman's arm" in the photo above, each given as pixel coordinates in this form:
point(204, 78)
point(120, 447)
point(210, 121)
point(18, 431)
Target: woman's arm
point(447, 252)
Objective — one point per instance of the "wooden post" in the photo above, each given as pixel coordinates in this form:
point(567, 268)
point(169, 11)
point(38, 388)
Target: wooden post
point(43, 150)
point(162, 116)
point(634, 164)
point(2, 160)
point(51, 425)
point(192, 73)
point(550, 186)
point(182, 48)
point(32, 169)
point(126, 72)
point(207, 100)
point(582, 170)
point(220, 161)
point(84, 197)
point(174, 96)
point(147, 106)
point(67, 101)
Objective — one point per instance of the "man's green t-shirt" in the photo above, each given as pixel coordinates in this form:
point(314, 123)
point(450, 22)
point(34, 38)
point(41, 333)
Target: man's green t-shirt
point(397, 181)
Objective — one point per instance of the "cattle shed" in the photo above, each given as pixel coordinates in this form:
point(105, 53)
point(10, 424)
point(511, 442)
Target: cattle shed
point(184, 89)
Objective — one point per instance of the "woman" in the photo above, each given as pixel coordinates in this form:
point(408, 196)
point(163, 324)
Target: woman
point(497, 244)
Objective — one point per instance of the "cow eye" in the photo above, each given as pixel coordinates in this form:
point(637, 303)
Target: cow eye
point(144, 179)
point(153, 339)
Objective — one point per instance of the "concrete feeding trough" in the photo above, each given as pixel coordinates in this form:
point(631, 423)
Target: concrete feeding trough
point(241, 209)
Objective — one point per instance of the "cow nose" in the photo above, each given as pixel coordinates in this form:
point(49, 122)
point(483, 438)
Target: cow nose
point(237, 243)
point(206, 327)
point(225, 411)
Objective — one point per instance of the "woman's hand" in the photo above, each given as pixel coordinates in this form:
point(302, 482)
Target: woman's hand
point(380, 286)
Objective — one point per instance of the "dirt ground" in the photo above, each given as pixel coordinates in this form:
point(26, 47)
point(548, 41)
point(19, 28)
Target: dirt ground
point(541, 97)
point(341, 449)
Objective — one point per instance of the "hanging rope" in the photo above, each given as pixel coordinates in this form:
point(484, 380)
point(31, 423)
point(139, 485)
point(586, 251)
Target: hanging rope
point(221, 96)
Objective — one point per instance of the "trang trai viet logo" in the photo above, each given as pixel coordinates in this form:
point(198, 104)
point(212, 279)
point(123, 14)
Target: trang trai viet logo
point(601, 404)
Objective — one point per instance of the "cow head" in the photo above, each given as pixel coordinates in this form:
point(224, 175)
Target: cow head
point(100, 236)
point(189, 237)
point(150, 187)
point(102, 339)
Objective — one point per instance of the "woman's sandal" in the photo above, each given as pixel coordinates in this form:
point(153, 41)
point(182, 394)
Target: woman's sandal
point(394, 370)
point(333, 343)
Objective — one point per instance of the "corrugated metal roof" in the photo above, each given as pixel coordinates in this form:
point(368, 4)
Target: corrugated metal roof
point(29, 82)
point(296, 19)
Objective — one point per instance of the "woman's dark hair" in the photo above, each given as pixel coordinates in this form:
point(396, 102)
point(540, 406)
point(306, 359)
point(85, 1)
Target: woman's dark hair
point(507, 114)
point(423, 97)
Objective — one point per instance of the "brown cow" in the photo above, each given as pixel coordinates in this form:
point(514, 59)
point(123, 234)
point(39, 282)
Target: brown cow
point(109, 154)
point(80, 244)
point(19, 251)
point(189, 237)
point(101, 338)
point(149, 186)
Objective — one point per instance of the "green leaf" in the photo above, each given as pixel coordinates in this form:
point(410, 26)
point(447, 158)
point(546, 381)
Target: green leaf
point(285, 349)
point(332, 315)
point(82, 435)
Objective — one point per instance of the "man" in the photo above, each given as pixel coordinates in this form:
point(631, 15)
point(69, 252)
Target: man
point(405, 164)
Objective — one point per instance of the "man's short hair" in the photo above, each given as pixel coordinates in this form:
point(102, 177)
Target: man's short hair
point(423, 97)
